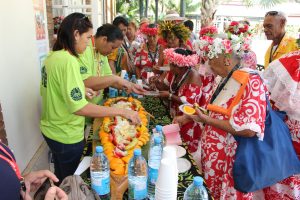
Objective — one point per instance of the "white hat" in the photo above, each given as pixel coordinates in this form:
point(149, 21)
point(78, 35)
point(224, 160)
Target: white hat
point(173, 16)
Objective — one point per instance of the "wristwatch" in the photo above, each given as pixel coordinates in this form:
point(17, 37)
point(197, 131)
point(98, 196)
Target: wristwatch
point(170, 96)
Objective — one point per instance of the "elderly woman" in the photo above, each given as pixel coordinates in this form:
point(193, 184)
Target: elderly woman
point(283, 83)
point(147, 55)
point(237, 108)
point(185, 87)
point(241, 29)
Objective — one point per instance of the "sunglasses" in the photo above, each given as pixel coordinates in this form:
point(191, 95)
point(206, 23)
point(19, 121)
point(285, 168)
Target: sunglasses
point(272, 13)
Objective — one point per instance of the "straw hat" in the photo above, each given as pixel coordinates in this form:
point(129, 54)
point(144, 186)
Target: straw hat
point(172, 15)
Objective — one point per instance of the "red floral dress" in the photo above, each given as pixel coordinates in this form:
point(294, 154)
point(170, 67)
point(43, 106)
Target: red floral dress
point(289, 188)
point(145, 60)
point(190, 132)
point(219, 146)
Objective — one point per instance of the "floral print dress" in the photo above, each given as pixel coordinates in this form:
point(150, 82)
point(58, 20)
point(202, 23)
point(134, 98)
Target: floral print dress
point(219, 147)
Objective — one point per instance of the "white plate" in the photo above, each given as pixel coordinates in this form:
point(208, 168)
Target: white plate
point(164, 68)
point(183, 165)
point(180, 151)
point(181, 107)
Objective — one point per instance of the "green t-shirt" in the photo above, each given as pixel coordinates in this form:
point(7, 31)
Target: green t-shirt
point(63, 93)
point(89, 67)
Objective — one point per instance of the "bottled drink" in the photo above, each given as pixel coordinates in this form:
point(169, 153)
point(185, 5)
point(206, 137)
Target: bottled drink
point(196, 191)
point(100, 177)
point(158, 132)
point(133, 80)
point(154, 158)
point(123, 93)
point(137, 177)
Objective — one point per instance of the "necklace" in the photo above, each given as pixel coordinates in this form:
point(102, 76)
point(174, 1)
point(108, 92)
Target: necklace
point(153, 58)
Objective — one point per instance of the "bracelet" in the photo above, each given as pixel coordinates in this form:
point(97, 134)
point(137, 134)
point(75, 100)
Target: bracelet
point(170, 96)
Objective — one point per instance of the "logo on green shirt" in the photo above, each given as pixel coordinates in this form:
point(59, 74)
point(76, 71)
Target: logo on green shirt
point(76, 94)
point(44, 77)
point(83, 70)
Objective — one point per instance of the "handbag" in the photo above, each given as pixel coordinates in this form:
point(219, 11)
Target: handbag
point(73, 186)
point(77, 189)
point(259, 164)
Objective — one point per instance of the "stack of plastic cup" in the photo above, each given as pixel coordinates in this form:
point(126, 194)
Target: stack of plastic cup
point(169, 152)
point(166, 184)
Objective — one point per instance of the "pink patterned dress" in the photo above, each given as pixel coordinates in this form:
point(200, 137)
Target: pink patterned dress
point(219, 146)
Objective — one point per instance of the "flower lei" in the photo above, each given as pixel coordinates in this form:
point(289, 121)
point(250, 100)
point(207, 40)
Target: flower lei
point(149, 31)
point(238, 28)
point(179, 59)
point(208, 31)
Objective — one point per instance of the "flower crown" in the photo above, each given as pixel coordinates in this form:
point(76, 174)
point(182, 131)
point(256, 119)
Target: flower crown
point(209, 48)
point(179, 59)
point(149, 31)
point(208, 31)
point(238, 28)
point(179, 30)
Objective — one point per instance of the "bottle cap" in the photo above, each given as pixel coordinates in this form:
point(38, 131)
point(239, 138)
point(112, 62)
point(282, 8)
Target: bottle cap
point(157, 140)
point(99, 149)
point(158, 128)
point(198, 181)
point(137, 152)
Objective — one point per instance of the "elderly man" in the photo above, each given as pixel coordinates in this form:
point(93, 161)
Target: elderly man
point(274, 28)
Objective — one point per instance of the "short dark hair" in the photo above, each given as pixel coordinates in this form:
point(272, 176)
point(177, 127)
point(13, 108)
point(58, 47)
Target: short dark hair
point(65, 34)
point(277, 13)
point(184, 52)
point(120, 20)
point(112, 32)
point(189, 24)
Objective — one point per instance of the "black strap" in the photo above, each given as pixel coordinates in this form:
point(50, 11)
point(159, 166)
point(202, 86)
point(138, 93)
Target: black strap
point(222, 85)
point(181, 82)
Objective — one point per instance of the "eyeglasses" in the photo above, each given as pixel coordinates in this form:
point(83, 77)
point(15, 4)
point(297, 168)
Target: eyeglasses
point(272, 13)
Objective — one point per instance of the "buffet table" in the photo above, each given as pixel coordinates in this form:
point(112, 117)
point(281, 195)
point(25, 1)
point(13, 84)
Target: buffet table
point(160, 114)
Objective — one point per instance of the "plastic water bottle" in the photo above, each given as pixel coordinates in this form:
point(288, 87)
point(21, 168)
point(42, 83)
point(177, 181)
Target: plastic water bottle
point(133, 80)
point(137, 177)
point(196, 191)
point(158, 132)
point(154, 158)
point(100, 176)
point(124, 94)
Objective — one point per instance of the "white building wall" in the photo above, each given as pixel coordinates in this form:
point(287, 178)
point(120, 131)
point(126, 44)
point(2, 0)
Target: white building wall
point(19, 78)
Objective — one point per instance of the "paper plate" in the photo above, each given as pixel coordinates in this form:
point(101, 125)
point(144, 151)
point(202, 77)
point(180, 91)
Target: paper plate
point(180, 151)
point(183, 165)
point(151, 93)
point(182, 110)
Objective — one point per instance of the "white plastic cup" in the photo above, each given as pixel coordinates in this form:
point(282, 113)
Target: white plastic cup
point(167, 176)
point(139, 82)
point(169, 152)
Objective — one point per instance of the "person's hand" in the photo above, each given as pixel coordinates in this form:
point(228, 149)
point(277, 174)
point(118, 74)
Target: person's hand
point(132, 116)
point(34, 180)
point(199, 117)
point(181, 120)
point(164, 94)
point(156, 67)
point(55, 193)
point(90, 94)
point(137, 89)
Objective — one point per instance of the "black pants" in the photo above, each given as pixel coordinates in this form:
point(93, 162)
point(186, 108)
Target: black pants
point(66, 157)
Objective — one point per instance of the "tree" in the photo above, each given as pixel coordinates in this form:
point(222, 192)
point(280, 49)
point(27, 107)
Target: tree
point(209, 8)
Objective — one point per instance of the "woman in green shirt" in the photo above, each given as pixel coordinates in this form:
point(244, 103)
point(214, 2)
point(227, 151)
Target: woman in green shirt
point(63, 102)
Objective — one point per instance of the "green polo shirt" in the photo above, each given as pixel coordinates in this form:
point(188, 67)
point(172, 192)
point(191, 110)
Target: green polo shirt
point(63, 93)
point(89, 66)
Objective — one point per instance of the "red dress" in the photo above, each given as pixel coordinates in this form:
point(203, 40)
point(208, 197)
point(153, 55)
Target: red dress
point(145, 60)
point(288, 188)
point(219, 146)
point(190, 132)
